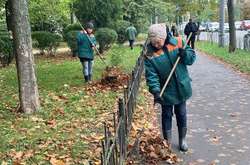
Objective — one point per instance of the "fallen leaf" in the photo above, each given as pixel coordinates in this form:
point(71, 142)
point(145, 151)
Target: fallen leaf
point(18, 155)
point(4, 163)
point(153, 155)
point(54, 161)
point(51, 123)
point(28, 154)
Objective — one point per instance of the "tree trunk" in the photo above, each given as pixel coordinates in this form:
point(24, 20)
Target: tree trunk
point(8, 15)
point(232, 32)
point(28, 90)
point(71, 14)
point(221, 28)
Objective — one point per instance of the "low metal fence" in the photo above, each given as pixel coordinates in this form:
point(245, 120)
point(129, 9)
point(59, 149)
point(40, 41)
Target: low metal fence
point(114, 145)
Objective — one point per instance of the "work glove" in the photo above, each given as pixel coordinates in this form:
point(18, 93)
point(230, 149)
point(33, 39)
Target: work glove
point(157, 98)
point(182, 53)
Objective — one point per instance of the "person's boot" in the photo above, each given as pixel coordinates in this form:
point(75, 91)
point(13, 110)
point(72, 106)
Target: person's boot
point(167, 135)
point(86, 78)
point(182, 139)
point(90, 77)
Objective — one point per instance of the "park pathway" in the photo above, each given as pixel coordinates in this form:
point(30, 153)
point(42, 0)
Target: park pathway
point(218, 116)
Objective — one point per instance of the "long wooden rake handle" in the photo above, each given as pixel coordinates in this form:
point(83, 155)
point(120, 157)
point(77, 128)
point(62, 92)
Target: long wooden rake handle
point(174, 67)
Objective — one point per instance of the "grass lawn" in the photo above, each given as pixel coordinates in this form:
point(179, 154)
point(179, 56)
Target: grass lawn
point(239, 59)
point(70, 117)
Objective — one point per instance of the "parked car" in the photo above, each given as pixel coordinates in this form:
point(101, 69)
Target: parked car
point(203, 27)
point(245, 25)
point(213, 26)
point(237, 25)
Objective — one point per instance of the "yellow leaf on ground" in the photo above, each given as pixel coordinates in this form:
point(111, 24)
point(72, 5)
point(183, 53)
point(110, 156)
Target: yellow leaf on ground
point(54, 161)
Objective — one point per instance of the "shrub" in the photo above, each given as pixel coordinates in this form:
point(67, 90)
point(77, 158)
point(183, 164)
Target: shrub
point(71, 27)
point(105, 37)
point(6, 45)
point(46, 41)
point(116, 58)
point(120, 27)
point(71, 40)
point(6, 50)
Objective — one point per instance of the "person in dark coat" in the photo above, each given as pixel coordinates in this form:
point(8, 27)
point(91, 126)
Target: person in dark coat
point(162, 52)
point(191, 27)
point(85, 44)
point(174, 31)
point(131, 33)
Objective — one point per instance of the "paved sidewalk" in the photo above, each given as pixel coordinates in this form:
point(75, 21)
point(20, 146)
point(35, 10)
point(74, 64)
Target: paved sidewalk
point(218, 116)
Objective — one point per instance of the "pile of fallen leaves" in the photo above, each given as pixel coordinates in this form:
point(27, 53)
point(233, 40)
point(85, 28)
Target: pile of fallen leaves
point(151, 150)
point(146, 145)
point(114, 78)
point(155, 149)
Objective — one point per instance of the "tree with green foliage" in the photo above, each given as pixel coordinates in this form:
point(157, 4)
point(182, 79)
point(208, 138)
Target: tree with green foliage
point(143, 12)
point(102, 12)
point(201, 10)
point(47, 15)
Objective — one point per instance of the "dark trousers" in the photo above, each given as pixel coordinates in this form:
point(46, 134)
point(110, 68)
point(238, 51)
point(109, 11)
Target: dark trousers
point(131, 43)
point(191, 42)
point(180, 113)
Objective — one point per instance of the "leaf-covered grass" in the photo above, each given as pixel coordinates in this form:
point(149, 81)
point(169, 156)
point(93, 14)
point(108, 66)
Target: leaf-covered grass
point(240, 59)
point(69, 118)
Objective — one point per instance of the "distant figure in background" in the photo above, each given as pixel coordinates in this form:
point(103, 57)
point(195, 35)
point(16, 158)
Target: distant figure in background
point(191, 27)
point(131, 32)
point(174, 31)
point(85, 44)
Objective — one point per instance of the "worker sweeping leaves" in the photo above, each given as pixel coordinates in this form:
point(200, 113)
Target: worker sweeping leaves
point(86, 42)
point(162, 52)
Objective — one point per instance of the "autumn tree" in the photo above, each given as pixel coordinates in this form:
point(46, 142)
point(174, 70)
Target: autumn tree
point(102, 12)
point(28, 90)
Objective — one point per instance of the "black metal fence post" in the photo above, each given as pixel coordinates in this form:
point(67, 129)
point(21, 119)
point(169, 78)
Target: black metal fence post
point(114, 147)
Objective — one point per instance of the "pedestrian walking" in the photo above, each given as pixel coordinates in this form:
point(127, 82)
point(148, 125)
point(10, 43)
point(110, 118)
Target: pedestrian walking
point(163, 51)
point(86, 42)
point(131, 33)
point(191, 27)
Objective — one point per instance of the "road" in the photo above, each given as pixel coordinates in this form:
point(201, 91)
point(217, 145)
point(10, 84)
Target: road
point(218, 116)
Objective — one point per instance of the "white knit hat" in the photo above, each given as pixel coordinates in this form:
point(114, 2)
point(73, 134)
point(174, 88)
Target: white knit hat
point(157, 31)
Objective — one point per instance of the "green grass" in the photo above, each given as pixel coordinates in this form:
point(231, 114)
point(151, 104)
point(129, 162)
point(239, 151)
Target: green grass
point(142, 37)
point(68, 111)
point(240, 59)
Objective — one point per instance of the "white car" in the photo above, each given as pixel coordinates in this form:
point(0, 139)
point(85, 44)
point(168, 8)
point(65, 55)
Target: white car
point(213, 26)
point(237, 25)
point(202, 27)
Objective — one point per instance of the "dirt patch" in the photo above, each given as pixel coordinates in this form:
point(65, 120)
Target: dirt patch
point(59, 57)
point(113, 79)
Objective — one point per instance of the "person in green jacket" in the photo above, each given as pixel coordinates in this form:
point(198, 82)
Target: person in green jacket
point(162, 52)
point(85, 44)
point(131, 32)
